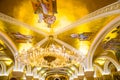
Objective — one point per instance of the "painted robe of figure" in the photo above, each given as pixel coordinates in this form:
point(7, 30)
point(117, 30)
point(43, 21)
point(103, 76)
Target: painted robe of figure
point(46, 10)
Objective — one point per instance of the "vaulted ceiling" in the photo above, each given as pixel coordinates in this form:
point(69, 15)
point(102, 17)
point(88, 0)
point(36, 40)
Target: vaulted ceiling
point(96, 23)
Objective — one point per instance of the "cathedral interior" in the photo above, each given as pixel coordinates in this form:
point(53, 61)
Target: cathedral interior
point(59, 39)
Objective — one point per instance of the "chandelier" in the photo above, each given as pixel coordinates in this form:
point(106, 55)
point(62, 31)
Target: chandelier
point(50, 54)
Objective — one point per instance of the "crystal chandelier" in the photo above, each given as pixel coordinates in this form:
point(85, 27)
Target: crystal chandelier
point(50, 54)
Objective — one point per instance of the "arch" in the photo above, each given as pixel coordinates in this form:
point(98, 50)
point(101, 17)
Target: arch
point(98, 67)
point(3, 71)
point(13, 78)
point(29, 70)
point(9, 70)
point(111, 51)
point(35, 73)
point(116, 64)
point(114, 23)
point(60, 70)
point(18, 66)
point(81, 71)
point(9, 43)
point(106, 70)
point(51, 72)
point(76, 71)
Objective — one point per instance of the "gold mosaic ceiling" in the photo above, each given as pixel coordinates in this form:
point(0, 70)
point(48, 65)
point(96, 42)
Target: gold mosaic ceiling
point(68, 12)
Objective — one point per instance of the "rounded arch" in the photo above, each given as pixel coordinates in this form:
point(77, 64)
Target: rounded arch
point(9, 70)
point(98, 67)
point(28, 70)
point(81, 70)
point(35, 72)
point(3, 70)
point(9, 43)
point(106, 70)
point(116, 64)
point(13, 78)
point(114, 23)
point(18, 66)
